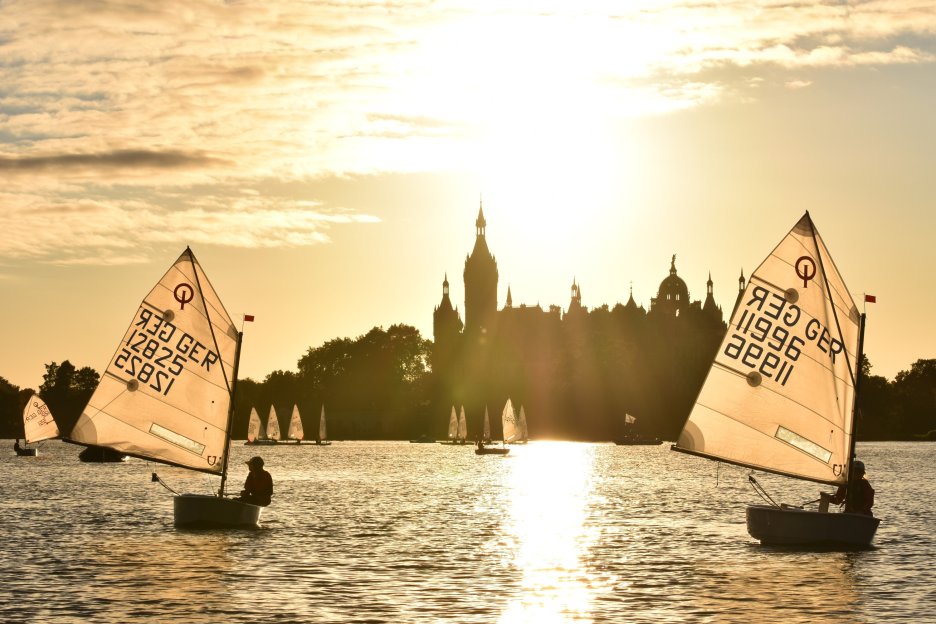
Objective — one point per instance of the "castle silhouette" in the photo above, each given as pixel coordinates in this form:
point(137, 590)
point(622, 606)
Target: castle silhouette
point(610, 361)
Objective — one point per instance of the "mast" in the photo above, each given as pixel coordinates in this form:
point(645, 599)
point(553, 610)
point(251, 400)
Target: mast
point(855, 410)
point(230, 423)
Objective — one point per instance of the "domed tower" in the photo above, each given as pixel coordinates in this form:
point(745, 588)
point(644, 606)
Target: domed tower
point(446, 323)
point(672, 298)
point(480, 283)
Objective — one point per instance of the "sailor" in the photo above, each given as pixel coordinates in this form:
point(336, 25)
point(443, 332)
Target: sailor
point(258, 488)
point(16, 446)
point(858, 496)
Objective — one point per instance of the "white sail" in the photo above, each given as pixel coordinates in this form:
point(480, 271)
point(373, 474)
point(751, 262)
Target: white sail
point(780, 394)
point(453, 425)
point(272, 428)
point(38, 423)
point(509, 422)
point(295, 425)
point(253, 425)
point(524, 433)
point(462, 425)
point(629, 420)
point(323, 435)
point(166, 393)
point(486, 431)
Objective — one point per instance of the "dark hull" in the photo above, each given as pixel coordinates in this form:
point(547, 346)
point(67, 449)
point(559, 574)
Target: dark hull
point(799, 527)
point(491, 451)
point(101, 455)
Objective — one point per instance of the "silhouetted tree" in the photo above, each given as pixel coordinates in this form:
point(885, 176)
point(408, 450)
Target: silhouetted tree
point(66, 390)
point(915, 400)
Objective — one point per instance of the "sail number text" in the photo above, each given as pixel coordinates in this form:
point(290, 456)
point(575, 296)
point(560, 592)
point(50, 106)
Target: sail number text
point(157, 351)
point(766, 338)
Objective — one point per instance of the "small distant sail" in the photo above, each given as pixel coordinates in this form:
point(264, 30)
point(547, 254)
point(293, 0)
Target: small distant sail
point(295, 425)
point(38, 422)
point(166, 393)
point(524, 433)
point(486, 432)
point(628, 419)
point(509, 421)
point(453, 425)
point(462, 425)
point(273, 430)
point(323, 435)
point(253, 426)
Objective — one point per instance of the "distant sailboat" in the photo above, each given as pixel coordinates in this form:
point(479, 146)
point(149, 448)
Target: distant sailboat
point(524, 435)
point(323, 432)
point(452, 428)
point(630, 436)
point(509, 428)
point(295, 426)
point(462, 433)
point(38, 425)
point(273, 428)
point(167, 394)
point(486, 429)
point(782, 392)
point(253, 426)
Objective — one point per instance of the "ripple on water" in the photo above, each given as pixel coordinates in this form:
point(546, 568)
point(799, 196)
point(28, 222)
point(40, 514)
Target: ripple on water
point(396, 532)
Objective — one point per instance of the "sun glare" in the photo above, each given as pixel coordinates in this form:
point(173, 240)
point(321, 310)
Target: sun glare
point(551, 485)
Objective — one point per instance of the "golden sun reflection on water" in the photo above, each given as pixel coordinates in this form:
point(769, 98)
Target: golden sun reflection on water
point(550, 485)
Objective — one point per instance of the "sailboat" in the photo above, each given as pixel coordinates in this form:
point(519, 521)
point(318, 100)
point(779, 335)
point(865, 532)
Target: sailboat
point(167, 394)
point(38, 425)
point(323, 432)
point(462, 432)
point(253, 426)
point(782, 392)
point(523, 433)
point(631, 436)
point(452, 428)
point(510, 431)
point(486, 428)
point(295, 426)
point(272, 428)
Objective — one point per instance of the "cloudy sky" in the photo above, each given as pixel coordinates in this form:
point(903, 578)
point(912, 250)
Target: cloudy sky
point(325, 160)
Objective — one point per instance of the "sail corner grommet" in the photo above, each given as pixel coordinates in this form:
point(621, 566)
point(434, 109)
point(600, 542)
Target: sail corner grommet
point(754, 379)
point(791, 295)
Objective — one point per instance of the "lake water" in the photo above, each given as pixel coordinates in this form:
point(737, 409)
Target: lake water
point(399, 532)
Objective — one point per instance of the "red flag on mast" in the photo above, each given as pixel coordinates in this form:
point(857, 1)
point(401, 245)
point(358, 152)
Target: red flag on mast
point(249, 317)
point(868, 299)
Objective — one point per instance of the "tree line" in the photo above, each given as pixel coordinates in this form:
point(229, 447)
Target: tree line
point(381, 385)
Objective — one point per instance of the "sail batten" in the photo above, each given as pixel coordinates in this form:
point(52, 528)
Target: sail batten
point(780, 394)
point(166, 393)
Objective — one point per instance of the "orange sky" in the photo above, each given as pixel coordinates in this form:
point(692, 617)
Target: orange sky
point(325, 160)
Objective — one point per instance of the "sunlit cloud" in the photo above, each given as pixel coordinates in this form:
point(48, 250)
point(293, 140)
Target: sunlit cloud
point(118, 232)
point(103, 102)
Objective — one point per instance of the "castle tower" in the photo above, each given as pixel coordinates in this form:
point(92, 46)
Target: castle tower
point(480, 283)
point(446, 323)
point(575, 305)
point(710, 308)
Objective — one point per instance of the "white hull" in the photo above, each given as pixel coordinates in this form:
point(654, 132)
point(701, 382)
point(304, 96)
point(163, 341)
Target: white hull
point(784, 526)
point(202, 511)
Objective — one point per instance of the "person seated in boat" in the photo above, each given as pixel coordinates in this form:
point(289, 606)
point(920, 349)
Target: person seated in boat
point(258, 488)
point(480, 444)
point(16, 446)
point(859, 496)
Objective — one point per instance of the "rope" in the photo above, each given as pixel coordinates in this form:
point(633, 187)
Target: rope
point(761, 491)
point(156, 479)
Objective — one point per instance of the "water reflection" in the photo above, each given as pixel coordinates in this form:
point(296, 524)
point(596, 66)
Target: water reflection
point(551, 487)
